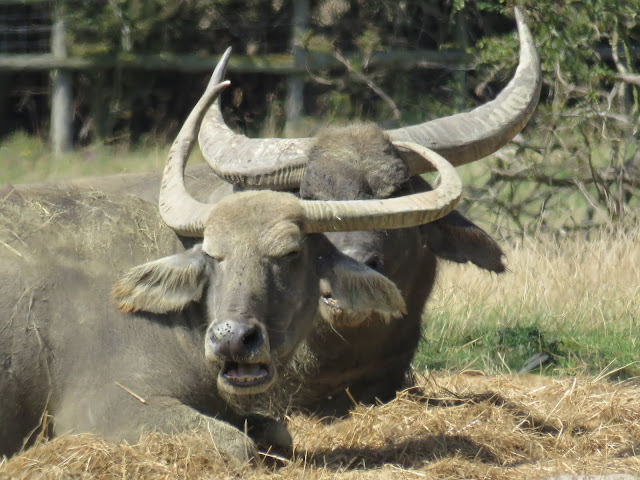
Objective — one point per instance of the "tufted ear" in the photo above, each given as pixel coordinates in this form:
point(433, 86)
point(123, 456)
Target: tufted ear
point(455, 238)
point(352, 286)
point(164, 285)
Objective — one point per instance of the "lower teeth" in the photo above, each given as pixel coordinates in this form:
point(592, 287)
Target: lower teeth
point(246, 372)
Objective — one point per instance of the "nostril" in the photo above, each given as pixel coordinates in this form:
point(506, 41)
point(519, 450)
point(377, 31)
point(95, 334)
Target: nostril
point(252, 339)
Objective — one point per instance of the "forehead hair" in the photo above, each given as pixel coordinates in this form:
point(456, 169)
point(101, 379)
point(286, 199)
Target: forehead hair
point(260, 219)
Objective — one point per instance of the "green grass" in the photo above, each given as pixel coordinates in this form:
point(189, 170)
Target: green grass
point(495, 348)
point(575, 300)
point(27, 159)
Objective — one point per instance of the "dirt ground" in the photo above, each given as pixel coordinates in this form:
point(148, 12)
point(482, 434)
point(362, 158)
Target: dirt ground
point(466, 425)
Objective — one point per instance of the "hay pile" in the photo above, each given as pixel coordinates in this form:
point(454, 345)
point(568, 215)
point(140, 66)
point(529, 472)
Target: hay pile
point(49, 222)
point(460, 426)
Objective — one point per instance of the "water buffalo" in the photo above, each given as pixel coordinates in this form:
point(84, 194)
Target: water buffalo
point(184, 336)
point(369, 353)
point(366, 352)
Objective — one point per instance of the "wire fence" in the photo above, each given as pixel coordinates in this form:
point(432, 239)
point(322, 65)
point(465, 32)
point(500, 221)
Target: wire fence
point(25, 27)
point(39, 37)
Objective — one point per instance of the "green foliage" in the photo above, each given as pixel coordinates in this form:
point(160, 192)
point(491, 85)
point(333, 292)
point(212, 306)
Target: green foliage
point(572, 38)
point(585, 128)
point(140, 26)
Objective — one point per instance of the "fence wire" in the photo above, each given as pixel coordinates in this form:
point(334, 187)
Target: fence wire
point(25, 27)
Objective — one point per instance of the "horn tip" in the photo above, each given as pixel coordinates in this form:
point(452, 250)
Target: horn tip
point(519, 16)
point(215, 87)
point(221, 67)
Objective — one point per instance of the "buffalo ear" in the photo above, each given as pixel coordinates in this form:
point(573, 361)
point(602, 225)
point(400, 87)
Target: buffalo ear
point(455, 238)
point(359, 288)
point(164, 285)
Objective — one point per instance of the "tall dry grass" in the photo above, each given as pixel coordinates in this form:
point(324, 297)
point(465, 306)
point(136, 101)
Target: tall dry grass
point(586, 282)
point(586, 290)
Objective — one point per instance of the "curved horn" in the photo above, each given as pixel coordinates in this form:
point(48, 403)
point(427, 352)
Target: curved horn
point(179, 210)
point(469, 136)
point(279, 163)
point(275, 163)
point(398, 212)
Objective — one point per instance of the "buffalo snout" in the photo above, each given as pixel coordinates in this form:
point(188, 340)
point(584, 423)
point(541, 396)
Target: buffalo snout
point(241, 347)
point(237, 340)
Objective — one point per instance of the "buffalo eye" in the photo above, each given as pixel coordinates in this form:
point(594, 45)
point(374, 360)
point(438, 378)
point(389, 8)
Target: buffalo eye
point(290, 256)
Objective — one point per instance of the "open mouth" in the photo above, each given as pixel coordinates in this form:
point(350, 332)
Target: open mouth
point(245, 374)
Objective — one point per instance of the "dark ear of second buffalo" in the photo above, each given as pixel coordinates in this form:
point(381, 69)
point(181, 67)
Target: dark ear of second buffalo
point(455, 238)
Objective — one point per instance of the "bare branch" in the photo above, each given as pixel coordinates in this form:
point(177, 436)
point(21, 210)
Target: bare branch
point(610, 177)
point(631, 78)
point(369, 83)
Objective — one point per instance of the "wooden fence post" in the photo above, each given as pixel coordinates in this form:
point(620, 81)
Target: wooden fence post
point(462, 42)
point(295, 83)
point(4, 100)
point(61, 94)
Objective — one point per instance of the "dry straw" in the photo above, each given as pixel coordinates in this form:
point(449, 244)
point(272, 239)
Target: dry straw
point(461, 426)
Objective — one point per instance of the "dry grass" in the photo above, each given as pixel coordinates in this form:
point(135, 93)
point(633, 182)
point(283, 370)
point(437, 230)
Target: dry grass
point(586, 282)
point(461, 426)
point(586, 293)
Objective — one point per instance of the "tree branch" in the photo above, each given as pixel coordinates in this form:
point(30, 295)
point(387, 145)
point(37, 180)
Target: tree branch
point(369, 83)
